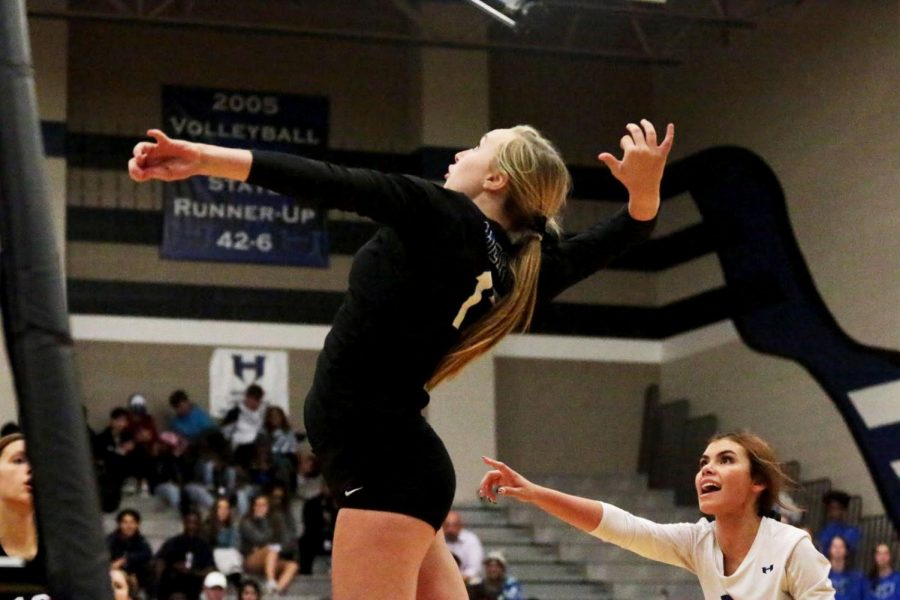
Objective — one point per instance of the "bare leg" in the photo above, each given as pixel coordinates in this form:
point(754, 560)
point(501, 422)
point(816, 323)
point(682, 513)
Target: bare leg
point(288, 569)
point(377, 555)
point(255, 562)
point(271, 563)
point(439, 576)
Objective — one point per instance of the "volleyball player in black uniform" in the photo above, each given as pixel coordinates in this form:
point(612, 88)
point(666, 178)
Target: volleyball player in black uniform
point(453, 270)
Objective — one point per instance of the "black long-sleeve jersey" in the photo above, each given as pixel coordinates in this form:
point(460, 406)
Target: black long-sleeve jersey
point(435, 267)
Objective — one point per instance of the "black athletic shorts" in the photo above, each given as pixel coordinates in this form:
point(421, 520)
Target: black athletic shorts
point(387, 463)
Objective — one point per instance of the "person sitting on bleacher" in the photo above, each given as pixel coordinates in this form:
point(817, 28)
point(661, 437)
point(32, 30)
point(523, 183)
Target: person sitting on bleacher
point(279, 434)
point(496, 585)
point(183, 561)
point(884, 581)
point(465, 545)
point(263, 538)
point(836, 505)
point(848, 583)
point(243, 424)
point(221, 533)
point(319, 517)
point(215, 586)
point(190, 421)
point(128, 548)
point(113, 448)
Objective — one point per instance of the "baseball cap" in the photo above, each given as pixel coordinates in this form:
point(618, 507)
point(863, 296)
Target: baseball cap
point(215, 579)
point(496, 555)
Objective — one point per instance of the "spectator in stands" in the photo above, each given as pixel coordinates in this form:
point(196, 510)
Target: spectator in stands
point(282, 442)
point(142, 427)
point(249, 590)
point(221, 532)
point(319, 516)
point(496, 585)
point(113, 451)
point(164, 475)
point(214, 586)
point(213, 475)
point(465, 545)
point(190, 421)
point(263, 537)
point(848, 584)
point(260, 475)
point(837, 504)
point(129, 550)
point(121, 588)
point(281, 504)
point(243, 425)
point(884, 581)
point(183, 561)
point(309, 475)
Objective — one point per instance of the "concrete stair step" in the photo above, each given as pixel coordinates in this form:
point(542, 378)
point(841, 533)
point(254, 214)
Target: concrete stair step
point(527, 552)
point(597, 551)
point(544, 571)
point(612, 483)
point(645, 571)
point(317, 586)
point(502, 534)
point(668, 591)
point(564, 590)
point(659, 514)
point(473, 515)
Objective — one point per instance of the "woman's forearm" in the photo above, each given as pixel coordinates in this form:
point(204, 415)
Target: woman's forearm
point(644, 206)
point(583, 513)
point(227, 163)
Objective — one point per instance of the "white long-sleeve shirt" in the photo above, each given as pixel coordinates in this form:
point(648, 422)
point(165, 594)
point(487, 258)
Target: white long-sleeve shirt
point(782, 563)
point(469, 551)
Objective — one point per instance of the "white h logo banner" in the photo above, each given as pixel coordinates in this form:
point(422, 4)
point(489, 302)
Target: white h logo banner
point(232, 370)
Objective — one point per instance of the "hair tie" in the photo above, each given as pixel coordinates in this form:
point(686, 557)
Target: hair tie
point(539, 224)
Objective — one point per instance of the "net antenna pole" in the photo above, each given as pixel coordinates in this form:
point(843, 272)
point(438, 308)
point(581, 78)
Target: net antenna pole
point(40, 347)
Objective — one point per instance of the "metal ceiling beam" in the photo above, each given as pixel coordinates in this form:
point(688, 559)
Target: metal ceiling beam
point(410, 12)
point(367, 37)
point(661, 13)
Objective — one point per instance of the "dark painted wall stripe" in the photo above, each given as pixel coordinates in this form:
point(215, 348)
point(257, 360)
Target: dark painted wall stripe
point(128, 226)
point(318, 308)
point(54, 134)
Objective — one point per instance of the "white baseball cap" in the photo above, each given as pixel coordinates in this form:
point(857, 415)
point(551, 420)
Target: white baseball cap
point(215, 579)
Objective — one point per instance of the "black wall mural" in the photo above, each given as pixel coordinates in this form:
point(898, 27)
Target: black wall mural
point(774, 303)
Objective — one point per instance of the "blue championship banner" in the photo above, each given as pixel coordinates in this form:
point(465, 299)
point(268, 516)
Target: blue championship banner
point(212, 219)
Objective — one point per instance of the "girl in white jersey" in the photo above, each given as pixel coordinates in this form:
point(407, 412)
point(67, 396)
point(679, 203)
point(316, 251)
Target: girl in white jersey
point(741, 555)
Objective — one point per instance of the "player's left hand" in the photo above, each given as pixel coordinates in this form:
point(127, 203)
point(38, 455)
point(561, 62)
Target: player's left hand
point(641, 167)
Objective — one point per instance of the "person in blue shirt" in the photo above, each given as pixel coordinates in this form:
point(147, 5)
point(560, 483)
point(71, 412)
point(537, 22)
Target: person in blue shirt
point(849, 584)
point(496, 585)
point(884, 581)
point(190, 421)
point(836, 505)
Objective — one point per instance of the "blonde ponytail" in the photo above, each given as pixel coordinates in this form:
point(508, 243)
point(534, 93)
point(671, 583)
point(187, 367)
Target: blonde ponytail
point(538, 185)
